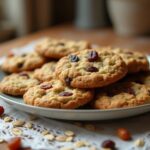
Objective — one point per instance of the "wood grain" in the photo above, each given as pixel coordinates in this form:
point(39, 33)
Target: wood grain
point(103, 37)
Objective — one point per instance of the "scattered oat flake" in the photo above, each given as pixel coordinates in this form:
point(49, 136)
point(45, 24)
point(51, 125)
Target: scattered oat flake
point(139, 143)
point(18, 123)
point(1, 140)
point(7, 119)
point(69, 133)
point(79, 144)
point(50, 137)
point(28, 125)
point(92, 148)
point(17, 131)
point(90, 127)
point(61, 138)
point(45, 132)
point(69, 139)
point(66, 148)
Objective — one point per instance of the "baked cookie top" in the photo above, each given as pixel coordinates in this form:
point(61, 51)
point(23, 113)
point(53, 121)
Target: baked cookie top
point(58, 48)
point(46, 72)
point(119, 95)
point(90, 69)
point(17, 84)
point(135, 61)
point(54, 94)
point(24, 62)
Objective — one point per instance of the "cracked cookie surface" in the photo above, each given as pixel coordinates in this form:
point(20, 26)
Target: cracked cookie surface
point(17, 84)
point(24, 62)
point(135, 61)
point(54, 94)
point(58, 48)
point(46, 72)
point(121, 95)
point(90, 69)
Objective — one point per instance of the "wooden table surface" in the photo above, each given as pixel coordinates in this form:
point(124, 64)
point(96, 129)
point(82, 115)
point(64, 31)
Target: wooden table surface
point(100, 36)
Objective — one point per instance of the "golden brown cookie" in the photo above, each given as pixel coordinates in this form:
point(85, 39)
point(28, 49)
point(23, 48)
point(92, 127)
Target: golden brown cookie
point(17, 84)
point(46, 72)
point(58, 48)
point(135, 61)
point(90, 69)
point(120, 95)
point(54, 94)
point(24, 62)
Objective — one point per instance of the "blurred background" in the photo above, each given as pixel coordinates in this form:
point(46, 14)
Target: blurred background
point(125, 17)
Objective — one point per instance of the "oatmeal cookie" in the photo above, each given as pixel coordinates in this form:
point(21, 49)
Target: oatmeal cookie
point(135, 61)
point(90, 69)
point(24, 62)
point(54, 94)
point(120, 95)
point(17, 84)
point(58, 48)
point(46, 72)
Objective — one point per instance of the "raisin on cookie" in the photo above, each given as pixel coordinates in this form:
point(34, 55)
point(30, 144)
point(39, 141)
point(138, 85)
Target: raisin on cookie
point(135, 61)
point(24, 62)
point(17, 84)
point(120, 95)
point(90, 69)
point(58, 48)
point(46, 72)
point(54, 94)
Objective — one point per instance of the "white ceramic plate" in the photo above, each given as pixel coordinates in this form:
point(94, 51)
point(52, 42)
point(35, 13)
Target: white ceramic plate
point(77, 114)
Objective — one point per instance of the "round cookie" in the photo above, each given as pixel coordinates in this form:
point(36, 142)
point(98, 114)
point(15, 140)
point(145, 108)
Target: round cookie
point(120, 95)
point(54, 94)
point(58, 48)
point(90, 69)
point(135, 61)
point(46, 72)
point(17, 84)
point(24, 62)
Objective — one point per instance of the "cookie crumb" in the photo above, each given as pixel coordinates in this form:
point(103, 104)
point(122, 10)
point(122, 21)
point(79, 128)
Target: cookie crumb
point(17, 131)
point(69, 133)
point(79, 144)
point(50, 137)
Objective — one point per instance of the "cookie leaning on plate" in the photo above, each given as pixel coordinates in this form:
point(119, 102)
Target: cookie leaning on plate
point(135, 61)
point(58, 48)
point(90, 69)
point(17, 84)
point(46, 72)
point(24, 62)
point(119, 95)
point(54, 94)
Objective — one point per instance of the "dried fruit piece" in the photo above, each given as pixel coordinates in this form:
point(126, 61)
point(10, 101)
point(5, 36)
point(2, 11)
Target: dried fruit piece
point(93, 56)
point(20, 65)
point(68, 81)
point(74, 58)
point(24, 74)
point(46, 86)
point(91, 69)
point(124, 134)
point(1, 110)
point(65, 94)
point(14, 143)
point(108, 144)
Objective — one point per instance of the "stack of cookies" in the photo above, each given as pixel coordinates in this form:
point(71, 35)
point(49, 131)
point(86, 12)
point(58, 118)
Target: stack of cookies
point(69, 74)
